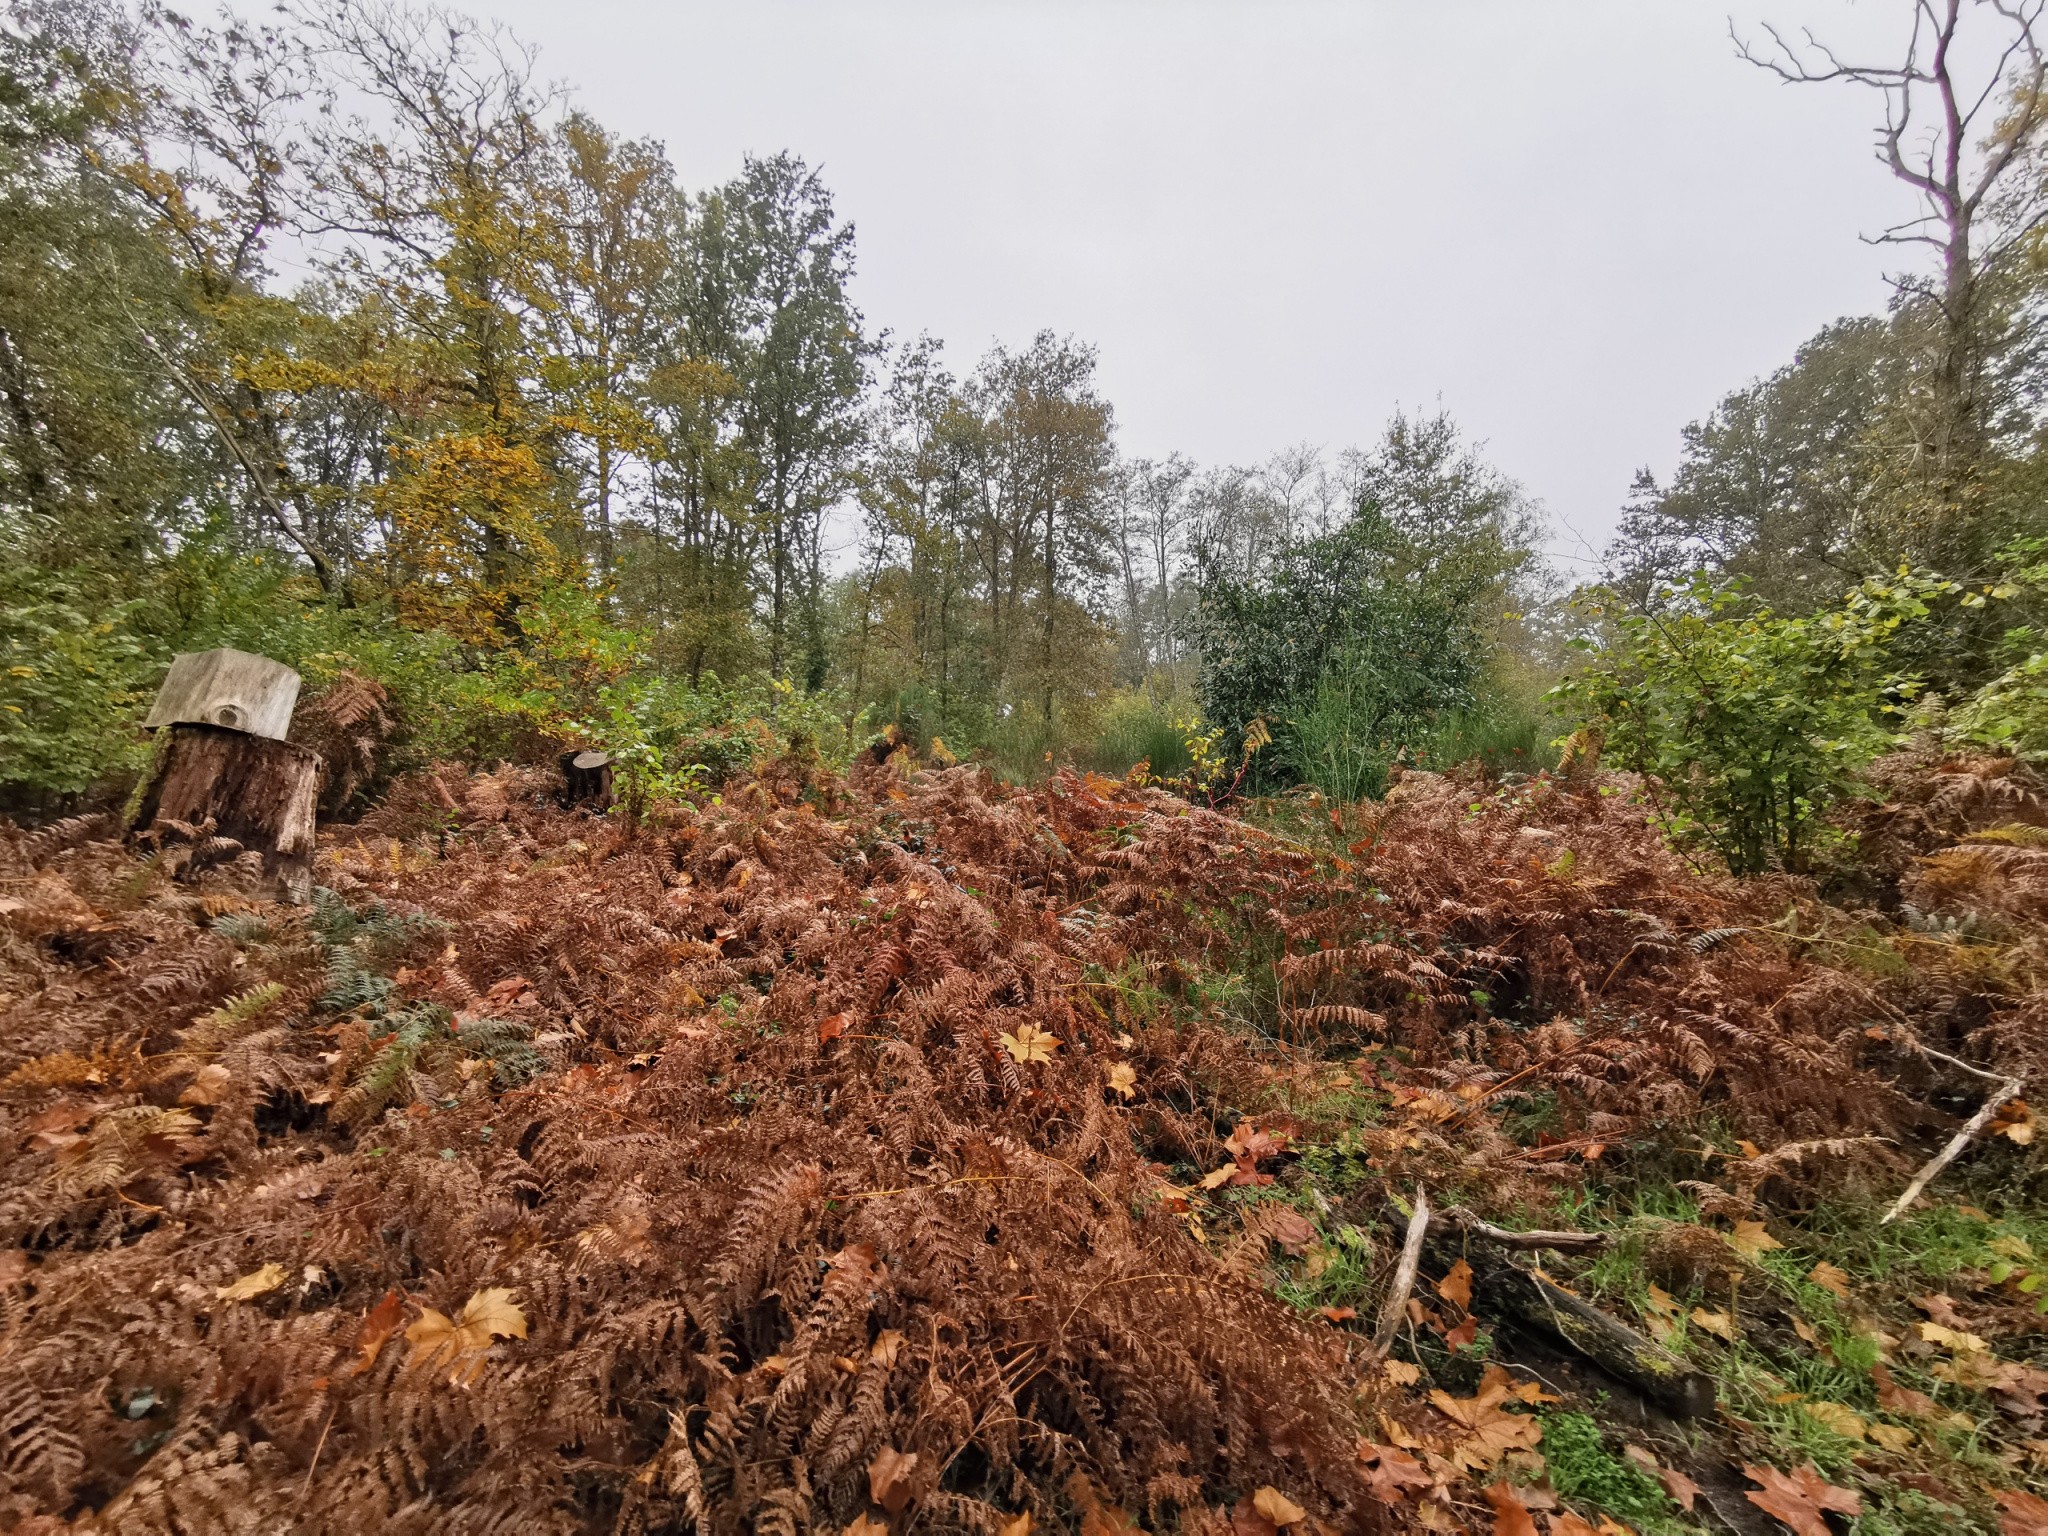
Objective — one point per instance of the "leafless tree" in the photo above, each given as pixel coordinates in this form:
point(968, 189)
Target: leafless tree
point(1957, 142)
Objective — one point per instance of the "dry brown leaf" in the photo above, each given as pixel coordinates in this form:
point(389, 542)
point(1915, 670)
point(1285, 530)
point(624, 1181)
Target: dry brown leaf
point(1511, 1516)
point(378, 1324)
point(1801, 1499)
point(256, 1283)
point(1683, 1490)
point(831, 1028)
point(865, 1524)
point(1391, 1471)
point(1277, 1507)
point(1491, 1431)
point(1893, 1398)
point(888, 1343)
point(208, 1086)
point(1456, 1287)
point(1565, 1523)
point(1402, 1373)
point(1123, 1079)
point(1662, 1313)
point(1831, 1279)
point(2026, 1514)
point(889, 1478)
point(1016, 1525)
point(1219, 1177)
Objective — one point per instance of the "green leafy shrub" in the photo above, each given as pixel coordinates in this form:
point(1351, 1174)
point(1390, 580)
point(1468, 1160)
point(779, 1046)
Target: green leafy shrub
point(1753, 724)
point(72, 685)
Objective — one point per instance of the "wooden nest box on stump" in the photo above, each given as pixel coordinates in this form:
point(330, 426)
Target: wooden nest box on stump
point(225, 781)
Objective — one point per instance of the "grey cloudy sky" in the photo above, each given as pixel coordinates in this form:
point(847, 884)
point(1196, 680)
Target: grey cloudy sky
point(1577, 223)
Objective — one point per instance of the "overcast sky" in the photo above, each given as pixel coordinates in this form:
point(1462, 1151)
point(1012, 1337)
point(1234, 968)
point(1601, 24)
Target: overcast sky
point(1577, 223)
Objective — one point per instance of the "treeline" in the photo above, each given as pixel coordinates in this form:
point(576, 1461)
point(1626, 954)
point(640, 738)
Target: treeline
point(341, 337)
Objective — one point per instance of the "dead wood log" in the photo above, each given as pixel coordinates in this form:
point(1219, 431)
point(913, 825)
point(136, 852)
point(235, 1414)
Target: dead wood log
point(1501, 1286)
point(257, 792)
point(1396, 1306)
point(587, 779)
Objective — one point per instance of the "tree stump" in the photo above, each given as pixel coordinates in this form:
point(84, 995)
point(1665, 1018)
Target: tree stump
point(587, 779)
point(259, 793)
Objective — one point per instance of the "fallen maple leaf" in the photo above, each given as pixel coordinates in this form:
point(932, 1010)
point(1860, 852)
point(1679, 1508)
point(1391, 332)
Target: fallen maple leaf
point(1831, 1279)
point(1511, 1516)
point(460, 1343)
point(1953, 1339)
point(888, 1343)
point(1287, 1227)
point(1030, 1044)
point(1456, 1287)
point(1893, 1437)
point(1801, 1499)
point(256, 1283)
point(1277, 1507)
point(1402, 1373)
point(1893, 1398)
point(831, 1028)
point(1750, 1239)
point(1017, 1525)
point(1683, 1490)
point(1720, 1324)
point(1123, 1079)
point(1844, 1421)
point(2026, 1514)
point(865, 1524)
point(1491, 1431)
point(1338, 1314)
point(1565, 1523)
point(1219, 1177)
point(1391, 1471)
point(208, 1086)
point(1662, 1312)
point(889, 1478)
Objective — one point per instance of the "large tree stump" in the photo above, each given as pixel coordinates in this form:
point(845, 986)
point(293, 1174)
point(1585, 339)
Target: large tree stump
point(260, 794)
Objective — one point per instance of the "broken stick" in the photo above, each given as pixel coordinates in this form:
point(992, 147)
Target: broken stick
point(2008, 1088)
point(1396, 1306)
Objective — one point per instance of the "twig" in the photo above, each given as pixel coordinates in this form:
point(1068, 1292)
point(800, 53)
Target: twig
point(2008, 1088)
point(1562, 1242)
point(1404, 1276)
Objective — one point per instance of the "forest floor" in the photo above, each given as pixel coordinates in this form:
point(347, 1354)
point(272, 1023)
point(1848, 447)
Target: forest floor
point(910, 1152)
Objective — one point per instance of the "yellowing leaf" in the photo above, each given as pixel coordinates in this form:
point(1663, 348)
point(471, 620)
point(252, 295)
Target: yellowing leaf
point(888, 1344)
point(1893, 1437)
point(1662, 1313)
point(1492, 1431)
point(1720, 1324)
point(461, 1342)
point(1800, 1499)
point(1030, 1044)
point(1277, 1507)
point(1804, 1329)
point(256, 1283)
point(1219, 1177)
point(1751, 1239)
point(1846, 1422)
point(1831, 1279)
point(1123, 1079)
point(1401, 1373)
point(889, 1478)
point(1952, 1339)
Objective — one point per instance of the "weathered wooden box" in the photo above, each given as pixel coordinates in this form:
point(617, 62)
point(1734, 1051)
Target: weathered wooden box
point(227, 688)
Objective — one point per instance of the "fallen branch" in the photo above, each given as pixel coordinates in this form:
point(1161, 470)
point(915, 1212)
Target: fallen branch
point(1396, 1306)
point(1655, 1372)
point(2008, 1088)
point(1561, 1242)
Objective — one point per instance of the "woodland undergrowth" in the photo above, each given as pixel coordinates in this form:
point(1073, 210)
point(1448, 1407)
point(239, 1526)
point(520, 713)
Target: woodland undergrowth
point(913, 1152)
